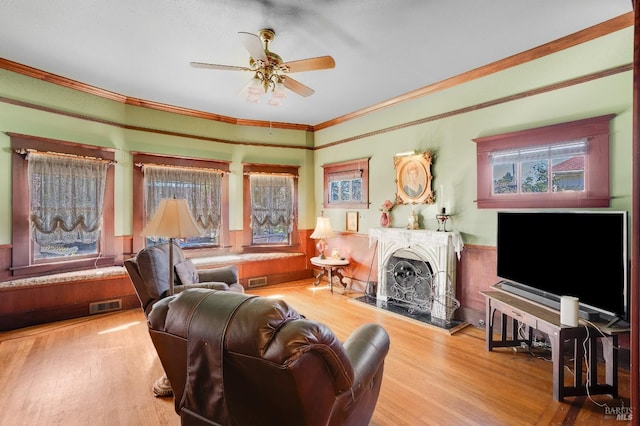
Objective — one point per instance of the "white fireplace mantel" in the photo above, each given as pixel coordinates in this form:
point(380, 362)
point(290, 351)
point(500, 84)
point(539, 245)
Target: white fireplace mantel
point(439, 249)
point(409, 237)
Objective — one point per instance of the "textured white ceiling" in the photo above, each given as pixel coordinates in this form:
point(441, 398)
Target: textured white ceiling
point(382, 49)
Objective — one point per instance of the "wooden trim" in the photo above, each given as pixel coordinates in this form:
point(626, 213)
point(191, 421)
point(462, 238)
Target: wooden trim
point(634, 299)
point(138, 242)
point(41, 269)
point(541, 135)
point(5, 261)
point(108, 223)
point(180, 161)
point(483, 105)
point(137, 208)
point(224, 240)
point(21, 264)
point(21, 141)
point(140, 128)
point(270, 168)
point(247, 246)
point(596, 167)
point(106, 94)
point(361, 164)
point(19, 203)
point(599, 30)
point(28, 305)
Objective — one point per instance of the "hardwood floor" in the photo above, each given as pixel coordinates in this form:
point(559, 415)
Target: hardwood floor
point(99, 370)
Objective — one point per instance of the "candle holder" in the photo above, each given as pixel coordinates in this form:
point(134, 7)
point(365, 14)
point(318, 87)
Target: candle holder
point(442, 218)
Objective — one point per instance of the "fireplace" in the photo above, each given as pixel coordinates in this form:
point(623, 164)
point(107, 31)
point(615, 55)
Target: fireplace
point(417, 270)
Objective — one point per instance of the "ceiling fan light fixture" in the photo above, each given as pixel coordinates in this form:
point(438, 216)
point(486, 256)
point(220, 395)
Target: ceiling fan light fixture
point(277, 95)
point(255, 86)
point(255, 90)
point(270, 70)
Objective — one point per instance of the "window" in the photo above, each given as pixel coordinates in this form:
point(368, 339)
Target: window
point(564, 165)
point(547, 168)
point(270, 207)
point(202, 188)
point(203, 183)
point(62, 206)
point(346, 184)
point(66, 197)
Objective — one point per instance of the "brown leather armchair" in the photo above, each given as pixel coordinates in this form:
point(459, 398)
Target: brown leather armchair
point(149, 272)
point(237, 359)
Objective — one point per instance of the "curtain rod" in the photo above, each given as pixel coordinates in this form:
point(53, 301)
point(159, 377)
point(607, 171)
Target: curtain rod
point(271, 174)
point(24, 152)
point(170, 166)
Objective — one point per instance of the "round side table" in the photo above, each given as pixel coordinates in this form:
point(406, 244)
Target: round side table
point(330, 266)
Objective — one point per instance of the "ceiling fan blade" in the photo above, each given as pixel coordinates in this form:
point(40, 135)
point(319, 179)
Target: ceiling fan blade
point(311, 64)
point(297, 87)
point(219, 67)
point(254, 46)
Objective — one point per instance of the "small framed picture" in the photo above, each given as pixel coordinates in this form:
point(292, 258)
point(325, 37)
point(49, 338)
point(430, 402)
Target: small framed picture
point(352, 221)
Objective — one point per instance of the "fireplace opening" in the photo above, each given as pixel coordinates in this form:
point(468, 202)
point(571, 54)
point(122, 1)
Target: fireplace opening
point(409, 281)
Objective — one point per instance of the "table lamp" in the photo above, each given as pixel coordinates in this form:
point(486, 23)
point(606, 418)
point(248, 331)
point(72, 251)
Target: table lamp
point(172, 220)
point(321, 233)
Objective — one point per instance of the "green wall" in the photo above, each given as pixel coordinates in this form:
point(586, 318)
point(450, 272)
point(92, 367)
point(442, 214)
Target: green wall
point(450, 138)
point(71, 116)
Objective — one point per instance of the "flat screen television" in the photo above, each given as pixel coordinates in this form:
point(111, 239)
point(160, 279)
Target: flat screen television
point(545, 255)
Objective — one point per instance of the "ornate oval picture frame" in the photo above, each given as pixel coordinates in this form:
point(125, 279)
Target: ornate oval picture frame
point(413, 178)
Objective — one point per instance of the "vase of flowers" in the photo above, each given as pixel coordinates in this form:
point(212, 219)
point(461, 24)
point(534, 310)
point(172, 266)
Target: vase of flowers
point(385, 218)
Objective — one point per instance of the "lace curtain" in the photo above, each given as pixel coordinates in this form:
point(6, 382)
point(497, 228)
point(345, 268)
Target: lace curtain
point(201, 189)
point(67, 197)
point(271, 202)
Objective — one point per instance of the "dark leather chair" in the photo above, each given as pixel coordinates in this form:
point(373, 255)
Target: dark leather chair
point(237, 359)
point(149, 272)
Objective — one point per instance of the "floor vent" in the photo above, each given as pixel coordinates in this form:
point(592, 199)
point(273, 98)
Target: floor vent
point(257, 282)
point(105, 306)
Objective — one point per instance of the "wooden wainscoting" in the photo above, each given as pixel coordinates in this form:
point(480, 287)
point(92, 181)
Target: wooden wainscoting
point(5, 262)
point(261, 268)
point(22, 306)
point(476, 271)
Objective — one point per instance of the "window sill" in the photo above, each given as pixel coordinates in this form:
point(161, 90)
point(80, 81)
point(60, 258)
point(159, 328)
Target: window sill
point(64, 277)
point(546, 202)
point(62, 266)
point(271, 249)
point(212, 261)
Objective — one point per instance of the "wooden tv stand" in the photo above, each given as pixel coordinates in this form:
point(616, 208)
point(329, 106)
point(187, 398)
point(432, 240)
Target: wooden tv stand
point(547, 321)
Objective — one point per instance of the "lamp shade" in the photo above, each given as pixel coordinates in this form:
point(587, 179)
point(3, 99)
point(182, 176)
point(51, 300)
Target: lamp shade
point(172, 219)
point(323, 229)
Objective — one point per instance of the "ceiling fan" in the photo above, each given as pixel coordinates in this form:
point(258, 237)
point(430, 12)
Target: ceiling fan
point(270, 72)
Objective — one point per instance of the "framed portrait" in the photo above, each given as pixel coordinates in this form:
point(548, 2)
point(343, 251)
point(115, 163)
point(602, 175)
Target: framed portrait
point(352, 222)
point(413, 178)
